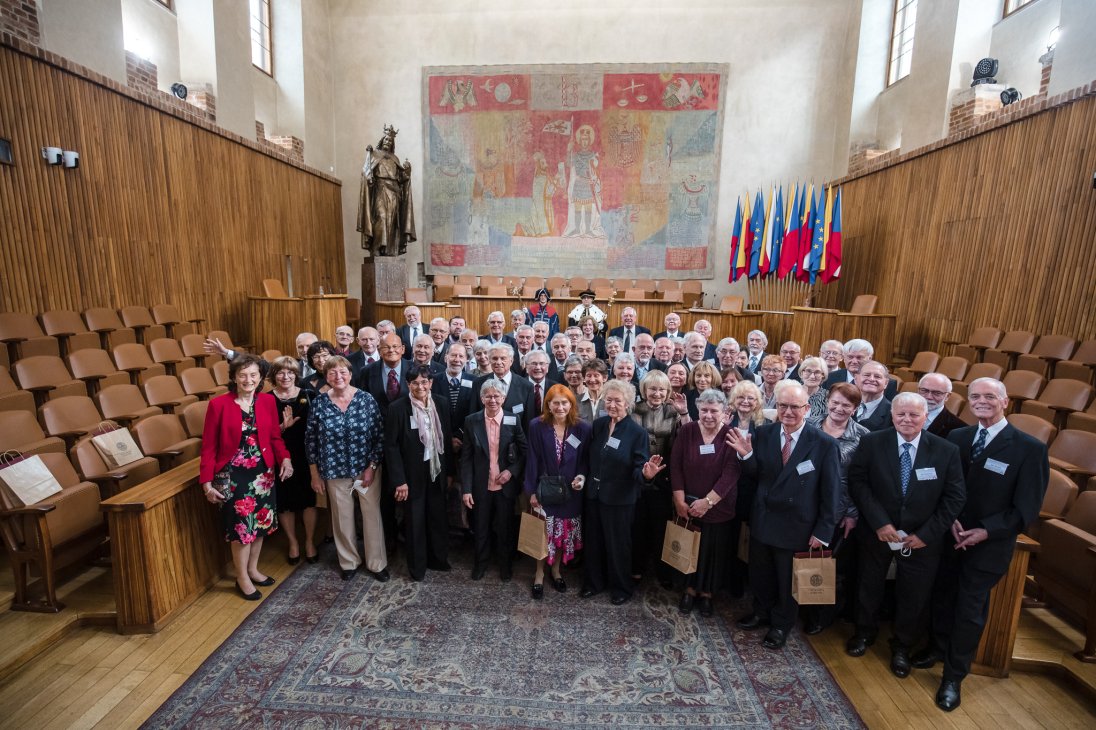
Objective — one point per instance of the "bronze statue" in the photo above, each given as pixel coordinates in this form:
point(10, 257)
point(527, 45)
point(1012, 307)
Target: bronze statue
point(386, 217)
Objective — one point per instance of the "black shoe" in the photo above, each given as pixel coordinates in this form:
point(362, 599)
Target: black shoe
point(751, 621)
point(617, 600)
point(441, 567)
point(312, 559)
point(478, 572)
point(925, 659)
point(559, 584)
point(812, 628)
point(538, 591)
point(947, 697)
point(267, 581)
point(775, 639)
point(900, 663)
point(686, 604)
point(348, 574)
point(381, 575)
point(666, 583)
point(293, 559)
point(588, 592)
point(505, 575)
point(858, 644)
point(705, 606)
point(253, 596)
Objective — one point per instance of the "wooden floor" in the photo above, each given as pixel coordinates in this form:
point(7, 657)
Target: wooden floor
point(93, 677)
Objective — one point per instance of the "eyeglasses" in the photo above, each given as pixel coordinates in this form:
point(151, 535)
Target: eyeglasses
point(933, 393)
point(830, 353)
point(790, 407)
point(811, 372)
point(772, 370)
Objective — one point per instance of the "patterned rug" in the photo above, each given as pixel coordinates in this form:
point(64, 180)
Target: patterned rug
point(452, 653)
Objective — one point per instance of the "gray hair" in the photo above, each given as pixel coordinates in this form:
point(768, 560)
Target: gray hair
point(481, 345)
point(441, 320)
point(764, 337)
point(992, 382)
point(783, 385)
point(614, 340)
point(947, 381)
point(516, 312)
point(624, 357)
point(910, 398)
point(572, 360)
point(712, 395)
point(493, 384)
point(625, 389)
point(560, 337)
point(858, 345)
point(386, 323)
point(524, 327)
point(537, 354)
point(502, 347)
point(814, 362)
point(692, 335)
point(423, 338)
point(730, 341)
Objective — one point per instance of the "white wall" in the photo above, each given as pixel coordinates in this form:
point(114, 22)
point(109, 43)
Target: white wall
point(1075, 56)
point(1020, 39)
point(152, 31)
point(88, 32)
point(319, 98)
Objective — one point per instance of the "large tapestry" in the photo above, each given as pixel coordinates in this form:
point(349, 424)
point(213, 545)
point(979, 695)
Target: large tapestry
point(558, 170)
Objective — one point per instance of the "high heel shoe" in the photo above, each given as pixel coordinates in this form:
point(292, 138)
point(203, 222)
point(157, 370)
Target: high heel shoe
point(293, 559)
point(267, 581)
point(253, 596)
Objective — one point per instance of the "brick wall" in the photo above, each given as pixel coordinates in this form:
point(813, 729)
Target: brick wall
point(293, 146)
point(20, 18)
point(863, 154)
point(969, 107)
point(141, 73)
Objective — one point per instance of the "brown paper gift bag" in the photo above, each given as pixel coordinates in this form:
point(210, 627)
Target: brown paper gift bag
point(28, 480)
point(116, 445)
point(533, 536)
point(681, 546)
point(814, 578)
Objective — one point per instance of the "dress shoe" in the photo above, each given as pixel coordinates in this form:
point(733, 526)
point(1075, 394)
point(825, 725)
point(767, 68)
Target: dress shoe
point(478, 572)
point(312, 559)
point(440, 566)
point(947, 697)
point(538, 591)
point(751, 621)
point(293, 559)
point(588, 593)
point(857, 645)
point(267, 581)
point(813, 627)
point(900, 663)
point(559, 584)
point(925, 659)
point(348, 574)
point(381, 575)
point(253, 596)
point(686, 604)
point(617, 600)
point(775, 639)
point(704, 604)
point(666, 583)
point(505, 575)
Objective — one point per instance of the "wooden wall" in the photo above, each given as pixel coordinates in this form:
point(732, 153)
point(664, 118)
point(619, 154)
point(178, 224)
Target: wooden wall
point(160, 209)
point(996, 229)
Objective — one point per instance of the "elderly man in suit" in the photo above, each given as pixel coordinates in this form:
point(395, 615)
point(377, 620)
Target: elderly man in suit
point(644, 352)
point(672, 322)
point(908, 486)
point(792, 354)
point(519, 391)
point(795, 473)
point(369, 341)
point(491, 465)
point(873, 413)
point(1006, 478)
point(756, 342)
point(856, 353)
point(628, 329)
point(935, 389)
point(408, 332)
point(495, 323)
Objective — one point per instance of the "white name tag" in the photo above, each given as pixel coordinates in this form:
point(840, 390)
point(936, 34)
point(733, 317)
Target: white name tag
point(519, 408)
point(929, 472)
point(707, 448)
point(509, 421)
point(573, 441)
point(466, 383)
point(805, 467)
point(414, 424)
point(999, 467)
point(613, 443)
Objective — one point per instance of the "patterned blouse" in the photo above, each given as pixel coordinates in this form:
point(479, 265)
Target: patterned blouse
point(846, 447)
point(342, 445)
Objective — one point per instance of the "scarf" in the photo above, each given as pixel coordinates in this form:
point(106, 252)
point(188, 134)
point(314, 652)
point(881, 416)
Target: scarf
point(426, 417)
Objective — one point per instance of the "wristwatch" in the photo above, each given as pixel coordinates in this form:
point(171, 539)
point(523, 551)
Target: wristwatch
point(709, 501)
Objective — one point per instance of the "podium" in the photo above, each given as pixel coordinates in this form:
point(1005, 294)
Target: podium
point(273, 324)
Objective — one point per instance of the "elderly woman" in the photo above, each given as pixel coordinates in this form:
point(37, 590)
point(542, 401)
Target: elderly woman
point(572, 375)
point(481, 356)
point(704, 475)
point(295, 495)
point(746, 407)
point(416, 434)
point(620, 462)
point(679, 377)
point(542, 311)
point(613, 346)
point(594, 374)
point(558, 447)
point(772, 372)
point(317, 355)
point(344, 445)
point(660, 419)
point(589, 333)
point(703, 376)
point(241, 444)
point(624, 367)
point(813, 371)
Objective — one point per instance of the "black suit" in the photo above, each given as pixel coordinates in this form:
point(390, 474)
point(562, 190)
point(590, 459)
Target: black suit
point(439, 355)
point(358, 363)
point(436, 368)
point(637, 330)
point(709, 353)
point(652, 364)
point(492, 510)
point(790, 504)
point(880, 419)
point(457, 414)
point(519, 398)
point(933, 498)
point(1001, 504)
point(679, 334)
point(372, 381)
point(756, 369)
point(944, 423)
point(841, 375)
point(404, 332)
point(426, 531)
point(612, 488)
point(506, 339)
point(794, 374)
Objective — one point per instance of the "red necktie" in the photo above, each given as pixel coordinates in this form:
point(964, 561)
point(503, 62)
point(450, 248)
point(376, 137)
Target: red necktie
point(393, 386)
point(538, 403)
point(786, 452)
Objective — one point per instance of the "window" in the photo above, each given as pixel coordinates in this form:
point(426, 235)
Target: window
point(905, 22)
point(166, 4)
point(1011, 6)
point(261, 55)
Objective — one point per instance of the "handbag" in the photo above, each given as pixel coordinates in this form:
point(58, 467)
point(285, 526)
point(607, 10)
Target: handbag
point(551, 490)
point(681, 546)
point(28, 480)
point(116, 445)
point(814, 579)
point(533, 536)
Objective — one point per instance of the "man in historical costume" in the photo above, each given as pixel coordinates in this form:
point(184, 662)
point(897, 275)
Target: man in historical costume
point(584, 188)
point(386, 216)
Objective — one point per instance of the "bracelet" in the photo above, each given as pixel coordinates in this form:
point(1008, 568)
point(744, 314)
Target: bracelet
point(709, 501)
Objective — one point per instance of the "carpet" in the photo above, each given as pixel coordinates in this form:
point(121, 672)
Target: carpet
point(453, 653)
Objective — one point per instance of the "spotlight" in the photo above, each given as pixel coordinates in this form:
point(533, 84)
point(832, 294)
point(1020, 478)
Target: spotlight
point(1010, 95)
point(1052, 39)
point(985, 72)
point(179, 90)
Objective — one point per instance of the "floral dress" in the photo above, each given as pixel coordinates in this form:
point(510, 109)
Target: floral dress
point(248, 485)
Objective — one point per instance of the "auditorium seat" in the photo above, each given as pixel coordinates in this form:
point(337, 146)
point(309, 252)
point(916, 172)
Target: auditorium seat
point(115, 480)
point(955, 403)
point(578, 283)
point(20, 431)
point(1064, 569)
point(1061, 397)
point(169, 316)
point(193, 345)
point(529, 292)
point(462, 290)
point(512, 282)
point(1033, 426)
point(134, 359)
point(1022, 385)
point(864, 304)
point(199, 382)
point(274, 289)
point(537, 282)
point(271, 355)
point(953, 368)
point(109, 325)
point(140, 320)
point(1081, 366)
point(1083, 421)
point(69, 329)
point(124, 403)
point(674, 295)
point(415, 295)
point(47, 377)
point(692, 293)
point(496, 290)
point(633, 294)
point(977, 370)
point(11, 398)
point(226, 340)
point(1011, 346)
point(923, 362)
point(967, 416)
point(553, 283)
point(51, 535)
point(1059, 498)
point(168, 353)
point(443, 287)
point(470, 279)
point(979, 341)
point(164, 438)
point(1074, 453)
point(561, 292)
point(732, 304)
point(194, 418)
point(24, 337)
point(165, 391)
point(220, 372)
point(69, 418)
point(647, 285)
point(96, 369)
point(1048, 351)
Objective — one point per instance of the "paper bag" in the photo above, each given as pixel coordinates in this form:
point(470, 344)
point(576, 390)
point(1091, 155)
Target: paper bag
point(117, 447)
point(533, 536)
point(681, 547)
point(814, 578)
point(28, 480)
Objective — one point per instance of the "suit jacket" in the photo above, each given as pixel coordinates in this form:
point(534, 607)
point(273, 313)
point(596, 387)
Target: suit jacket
point(357, 362)
point(436, 368)
point(793, 502)
point(221, 433)
point(756, 370)
point(475, 455)
point(794, 374)
point(619, 332)
point(709, 352)
point(664, 333)
point(1001, 504)
point(944, 423)
point(440, 388)
point(403, 451)
point(929, 506)
point(404, 332)
point(652, 364)
point(519, 398)
point(616, 474)
point(841, 375)
point(439, 357)
point(505, 338)
point(880, 419)
point(371, 380)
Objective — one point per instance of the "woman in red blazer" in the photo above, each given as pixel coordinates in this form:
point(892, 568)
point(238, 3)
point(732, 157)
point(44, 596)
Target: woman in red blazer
point(241, 443)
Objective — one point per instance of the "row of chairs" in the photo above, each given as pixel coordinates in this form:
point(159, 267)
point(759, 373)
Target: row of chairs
point(1052, 356)
point(447, 286)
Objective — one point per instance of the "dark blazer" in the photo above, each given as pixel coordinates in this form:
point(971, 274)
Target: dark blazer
point(929, 506)
point(440, 388)
point(404, 333)
point(221, 433)
point(664, 333)
point(710, 353)
point(794, 374)
point(403, 452)
point(757, 369)
point(435, 367)
point(653, 364)
point(1002, 504)
point(357, 361)
point(880, 419)
point(790, 507)
point(945, 423)
point(519, 398)
point(841, 375)
point(475, 454)
point(616, 474)
point(619, 332)
point(439, 357)
point(371, 380)
point(505, 338)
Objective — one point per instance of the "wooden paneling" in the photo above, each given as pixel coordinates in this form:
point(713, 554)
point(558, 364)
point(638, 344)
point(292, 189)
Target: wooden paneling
point(277, 322)
point(996, 229)
point(160, 209)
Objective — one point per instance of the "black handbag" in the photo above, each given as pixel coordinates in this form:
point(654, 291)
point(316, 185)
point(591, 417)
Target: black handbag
point(551, 490)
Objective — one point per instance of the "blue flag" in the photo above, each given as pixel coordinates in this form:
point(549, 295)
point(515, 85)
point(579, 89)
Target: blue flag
point(818, 242)
point(778, 231)
point(757, 223)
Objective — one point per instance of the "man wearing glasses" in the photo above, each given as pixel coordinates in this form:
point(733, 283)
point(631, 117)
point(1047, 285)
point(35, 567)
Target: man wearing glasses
point(935, 389)
point(796, 469)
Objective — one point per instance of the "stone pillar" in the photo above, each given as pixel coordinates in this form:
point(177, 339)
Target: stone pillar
point(141, 74)
point(1047, 61)
point(383, 280)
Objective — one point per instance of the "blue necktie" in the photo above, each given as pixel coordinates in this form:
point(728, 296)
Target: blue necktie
point(979, 444)
point(905, 466)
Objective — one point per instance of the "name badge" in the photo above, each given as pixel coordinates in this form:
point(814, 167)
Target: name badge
point(414, 424)
point(573, 441)
point(707, 448)
point(602, 413)
point(509, 421)
point(613, 442)
point(999, 467)
point(805, 467)
point(929, 472)
point(519, 408)
point(466, 383)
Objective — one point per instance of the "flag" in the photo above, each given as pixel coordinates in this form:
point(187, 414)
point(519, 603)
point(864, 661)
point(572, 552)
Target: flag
point(757, 233)
point(767, 238)
point(738, 252)
point(826, 218)
point(833, 245)
point(789, 250)
point(806, 231)
point(747, 239)
point(778, 231)
point(818, 241)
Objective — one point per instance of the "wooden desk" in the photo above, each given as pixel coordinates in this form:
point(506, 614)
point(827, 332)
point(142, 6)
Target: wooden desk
point(994, 656)
point(275, 323)
point(878, 329)
point(811, 327)
point(166, 547)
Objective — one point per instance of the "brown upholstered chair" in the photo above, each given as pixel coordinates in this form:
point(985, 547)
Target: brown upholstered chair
point(169, 316)
point(11, 398)
point(69, 418)
point(271, 355)
point(977, 370)
point(462, 290)
point(732, 304)
point(443, 287)
point(111, 481)
point(108, 324)
point(200, 382)
point(647, 285)
point(96, 369)
point(864, 304)
point(1065, 567)
point(471, 279)
point(692, 293)
point(168, 353)
point(20, 431)
point(69, 329)
point(979, 341)
point(51, 535)
point(274, 289)
point(1081, 366)
point(967, 415)
point(953, 368)
point(47, 377)
point(1022, 385)
point(578, 283)
point(1083, 421)
point(220, 372)
point(527, 292)
point(955, 403)
point(1048, 351)
point(674, 295)
point(134, 359)
point(140, 320)
point(554, 282)
point(496, 290)
point(1011, 346)
point(537, 282)
point(923, 362)
point(1060, 495)
point(193, 346)
point(24, 337)
point(165, 391)
point(124, 403)
point(415, 295)
point(1033, 426)
point(634, 294)
point(511, 282)
point(226, 340)
point(165, 439)
point(1061, 397)
point(194, 418)
point(1074, 454)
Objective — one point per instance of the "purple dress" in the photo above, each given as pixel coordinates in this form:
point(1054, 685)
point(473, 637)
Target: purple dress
point(547, 455)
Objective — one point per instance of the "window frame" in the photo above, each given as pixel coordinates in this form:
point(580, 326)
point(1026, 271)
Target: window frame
point(1016, 6)
point(265, 33)
point(894, 36)
point(169, 4)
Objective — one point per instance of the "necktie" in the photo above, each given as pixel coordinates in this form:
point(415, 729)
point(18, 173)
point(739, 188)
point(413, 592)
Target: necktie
point(585, 311)
point(627, 340)
point(860, 410)
point(789, 444)
point(454, 392)
point(538, 403)
point(753, 363)
point(905, 466)
point(979, 444)
point(393, 387)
